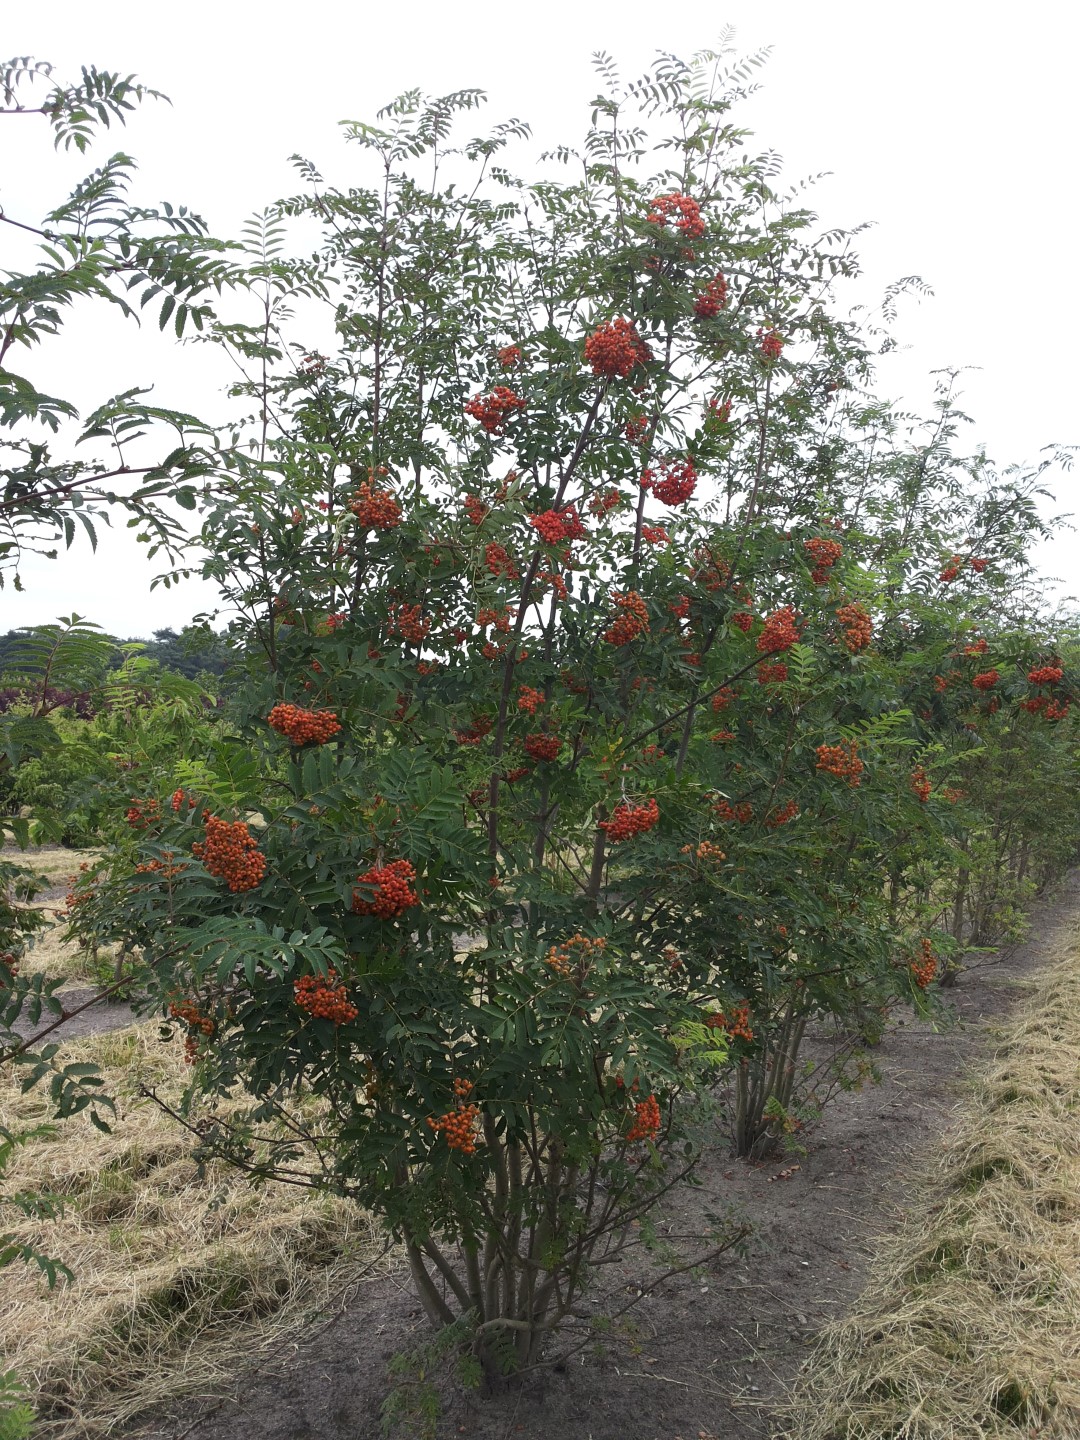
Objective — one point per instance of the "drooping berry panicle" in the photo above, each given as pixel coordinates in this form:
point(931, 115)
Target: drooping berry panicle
point(231, 853)
point(198, 1025)
point(685, 208)
point(842, 761)
point(675, 483)
point(780, 632)
point(712, 299)
point(303, 727)
point(920, 784)
point(555, 527)
point(542, 746)
point(823, 554)
point(375, 508)
point(575, 955)
point(924, 967)
point(858, 627)
point(1046, 675)
point(986, 681)
point(632, 621)
point(393, 890)
point(493, 410)
point(615, 348)
point(628, 820)
point(325, 998)
point(646, 1122)
point(460, 1124)
point(734, 1021)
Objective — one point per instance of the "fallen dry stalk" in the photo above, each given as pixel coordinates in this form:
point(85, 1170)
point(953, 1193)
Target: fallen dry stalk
point(177, 1277)
point(969, 1326)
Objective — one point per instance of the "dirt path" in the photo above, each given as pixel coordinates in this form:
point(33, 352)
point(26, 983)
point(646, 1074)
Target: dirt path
point(706, 1355)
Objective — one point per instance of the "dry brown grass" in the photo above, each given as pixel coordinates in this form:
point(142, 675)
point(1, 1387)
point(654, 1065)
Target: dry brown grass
point(969, 1327)
point(178, 1276)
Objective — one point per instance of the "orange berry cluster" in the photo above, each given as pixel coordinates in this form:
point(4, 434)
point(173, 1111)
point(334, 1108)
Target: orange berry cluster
point(374, 508)
point(724, 697)
point(480, 727)
point(924, 969)
point(459, 1124)
point(517, 772)
point(952, 569)
point(858, 627)
point(782, 816)
point(630, 820)
point(717, 413)
point(409, 622)
point(978, 565)
point(163, 867)
point(646, 1123)
point(1046, 675)
point(986, 681)
point(492, 410)
point(476, 510)
point(9, 967)
point(743, 621)
point(704, 852)
point(977, 647)
point(498, 560)
point(177, 801)
point(735, 1023)
point(606, 501)
point(1057, 709)
point(303, 727)
point(721, 737)
point(940, 684)
point(141, 814)
point(712, 299)
point(509, 356)
point(920, 784)
point(771, 345)
point(394, 892)
point(556, 526)
point(636, 428)
point(632, 621)
point(780, 632)
point(542, 747)
point(577, 953)
point(676, 483)
point(841, 760)
point(197, 1024)
point(231, 853)
point(655, 535)
point(771, 674)
point(614, 349)
point(685, 207)
point(725, 811)
point(324, 998)
point(824, 554)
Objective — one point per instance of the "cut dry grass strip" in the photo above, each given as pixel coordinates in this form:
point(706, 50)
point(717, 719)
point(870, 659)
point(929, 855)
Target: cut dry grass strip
point(969, 1326)
point(178, 1277)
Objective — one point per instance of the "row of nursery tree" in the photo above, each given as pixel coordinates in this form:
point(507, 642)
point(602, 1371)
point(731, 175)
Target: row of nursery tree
point(622, 693)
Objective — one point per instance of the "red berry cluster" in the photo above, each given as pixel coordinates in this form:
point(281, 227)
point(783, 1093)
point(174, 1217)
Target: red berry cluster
point(724, 697)
point(1057, 709)
point(197, 1024)
point(676, 483)
point(735, 1022)
point(717, 413)
point(712, 299)
point(655, 535)
point(509, 356)
point(841, 760)
point(646, 1123)
point(941, 684)
point(606, 501)
point(393, 890)
point(771, 345)
point(782, 816)
point(177, 802)
point(722, 737)
point(986, 681)
point(141, 814)
point(231, 853)
point(771, 674)
point(1036, 704)
point(726, 812)
point(480, 727)
point(680, 608)
point(476, 510)
point(459, 1124)
point(324, 998)
point(375, 509)
point(615, 348)
point(498, 561)
point(576, 954)
point(557, 526)
point(637, 428)
point(303, 727)
point(630, 820)
point(780, 632)
point(689, 222)
point(924, 968)
point(705, 852)
point(920, 784)
point(742, 620)
point(542, 746)
point(858, 627)
point(492, 410)
point(952, 569)
point(824, 554)
point(977, 647)
point(530, 699)
point(9, 967)
point(632, 621)
point(1046, 675)
point(409, 622)
point(161, 867)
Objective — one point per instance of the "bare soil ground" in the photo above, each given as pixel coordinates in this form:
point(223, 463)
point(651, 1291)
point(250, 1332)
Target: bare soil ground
point(711, 1352)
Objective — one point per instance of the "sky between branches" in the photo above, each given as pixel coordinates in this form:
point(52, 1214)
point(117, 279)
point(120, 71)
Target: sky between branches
point(954, 135)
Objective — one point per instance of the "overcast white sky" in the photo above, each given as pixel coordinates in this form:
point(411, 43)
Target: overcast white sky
point(955, 134)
